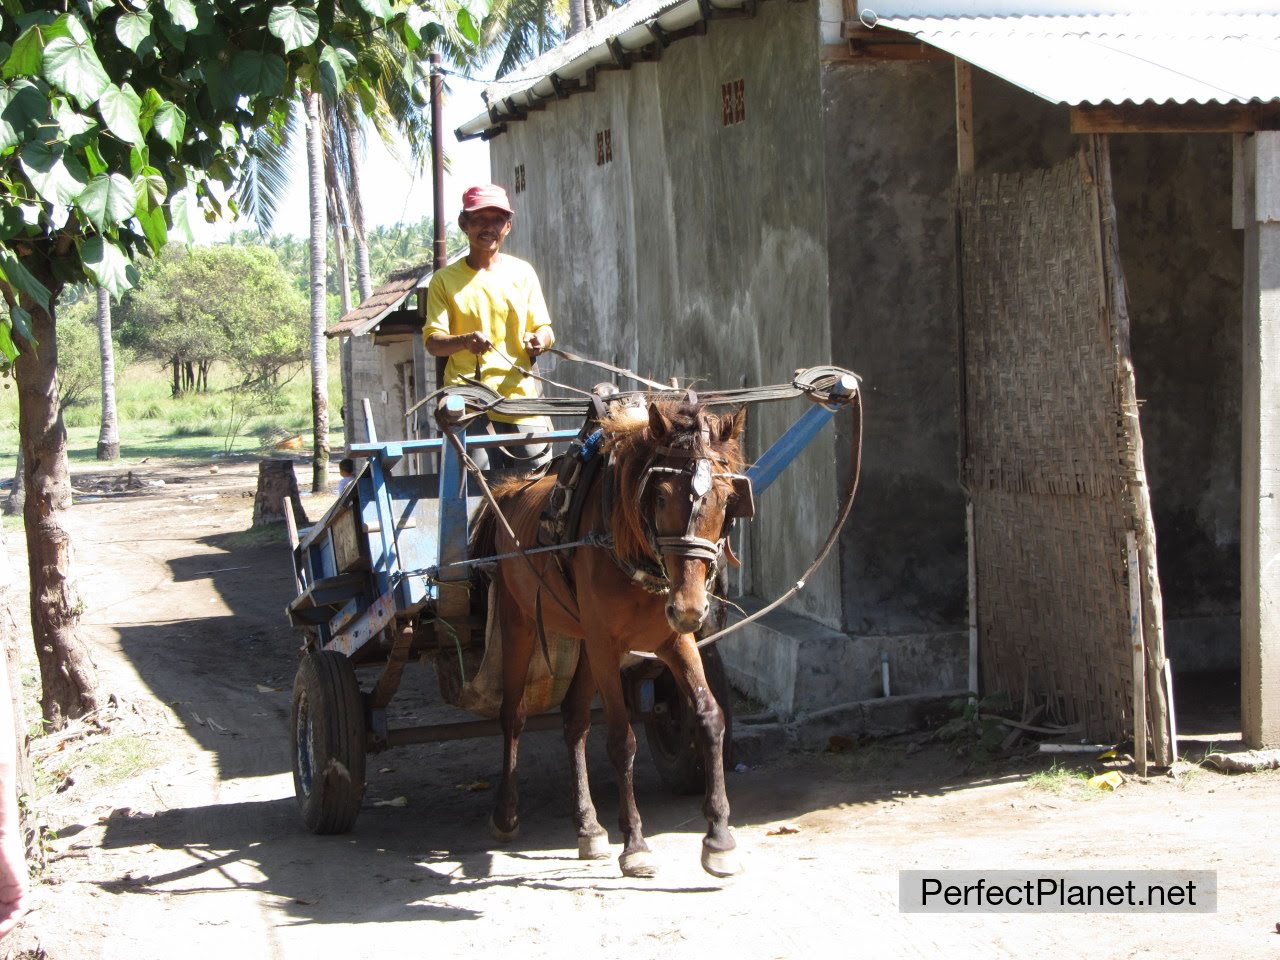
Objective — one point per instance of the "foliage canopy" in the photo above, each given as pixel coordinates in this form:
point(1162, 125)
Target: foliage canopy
point(231, 303)
point(113, 116)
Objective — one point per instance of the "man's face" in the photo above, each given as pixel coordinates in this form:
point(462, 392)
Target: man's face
point(485, 228)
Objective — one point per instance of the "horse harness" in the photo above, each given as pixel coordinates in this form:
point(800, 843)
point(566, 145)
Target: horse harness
point(560, 520)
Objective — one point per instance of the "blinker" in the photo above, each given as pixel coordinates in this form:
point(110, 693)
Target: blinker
point(744, 505)
point(702, 479)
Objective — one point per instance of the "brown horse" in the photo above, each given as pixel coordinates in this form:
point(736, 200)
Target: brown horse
point(671, 482)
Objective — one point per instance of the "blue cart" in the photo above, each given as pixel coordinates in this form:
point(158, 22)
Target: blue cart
point(384, 577)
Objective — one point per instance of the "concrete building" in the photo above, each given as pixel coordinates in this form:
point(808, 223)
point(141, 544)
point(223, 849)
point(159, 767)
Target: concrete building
point(791, 183)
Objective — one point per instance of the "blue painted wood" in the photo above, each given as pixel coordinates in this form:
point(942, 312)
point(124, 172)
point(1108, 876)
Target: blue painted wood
point(787, 447)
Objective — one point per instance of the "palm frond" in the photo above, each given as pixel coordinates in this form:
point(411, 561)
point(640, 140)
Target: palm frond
point(267, 170)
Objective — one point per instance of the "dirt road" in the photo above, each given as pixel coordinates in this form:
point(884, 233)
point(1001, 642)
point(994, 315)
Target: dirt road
point(177, 835)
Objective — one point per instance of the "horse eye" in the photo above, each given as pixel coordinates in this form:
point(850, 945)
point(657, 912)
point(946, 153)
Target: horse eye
point(661, 501)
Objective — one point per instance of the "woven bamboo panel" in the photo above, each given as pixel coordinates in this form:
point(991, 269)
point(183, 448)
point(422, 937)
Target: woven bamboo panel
point(1042, 448)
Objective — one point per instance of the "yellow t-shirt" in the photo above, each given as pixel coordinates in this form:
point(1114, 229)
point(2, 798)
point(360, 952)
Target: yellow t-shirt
point(504, 303)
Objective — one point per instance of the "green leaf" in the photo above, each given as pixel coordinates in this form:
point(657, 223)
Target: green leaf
point(107, 265)
point(22, 325)
point(120, 108)
point(377, 8)
point(72, 123)
point(180, 218)
point(7, 349)
point(154, 227)
point(151, 102)
point(333, 75)
point(56, 177)
point(75, 68)
point(133, 30)
point(466, 26)
point(258, 73)
point(171, 125)
point(22, 280)
point(97, 6)
point(21, 105)
point(295, 28)
point(151, 190)
point(96, 164)
point(67, 25)
point(25, 58)
point(108, 200)
point(137, 160)
point(183, 13)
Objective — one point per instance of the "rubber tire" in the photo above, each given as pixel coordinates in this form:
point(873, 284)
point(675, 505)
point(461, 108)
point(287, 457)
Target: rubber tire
point(327, 734)
point(673, 740)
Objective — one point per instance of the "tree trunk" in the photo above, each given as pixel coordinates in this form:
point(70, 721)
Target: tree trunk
point(359, 237)
point(108, 435)
point(344, 277)
point(24, 774)
point(68, 677)
point(18, 492)
point(177, 377)
point(277, 483)
point(319, 352)
point(577, 17)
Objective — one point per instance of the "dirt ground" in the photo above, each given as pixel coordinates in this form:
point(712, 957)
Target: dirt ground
point(177, 833)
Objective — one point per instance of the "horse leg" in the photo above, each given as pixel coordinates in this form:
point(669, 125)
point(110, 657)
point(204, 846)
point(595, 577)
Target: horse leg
point(517, 651)
point(593, 839)
point(636, 860)
point(719, 857)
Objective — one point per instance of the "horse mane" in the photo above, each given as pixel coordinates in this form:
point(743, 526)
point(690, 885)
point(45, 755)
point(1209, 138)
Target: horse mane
point(630, 441)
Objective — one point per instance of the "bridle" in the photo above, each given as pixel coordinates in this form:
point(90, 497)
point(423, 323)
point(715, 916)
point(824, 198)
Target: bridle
point(701, 475)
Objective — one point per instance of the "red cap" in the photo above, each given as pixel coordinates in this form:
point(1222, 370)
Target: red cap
point(483, 196)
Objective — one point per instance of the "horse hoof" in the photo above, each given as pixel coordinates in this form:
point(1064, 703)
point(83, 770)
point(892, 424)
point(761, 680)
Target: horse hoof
point(594, 848)
point(721, 863)
point(638, 864)
point(502, 836)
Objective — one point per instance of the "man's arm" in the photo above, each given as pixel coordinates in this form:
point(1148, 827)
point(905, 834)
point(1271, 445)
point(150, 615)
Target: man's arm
point(538, 336)
point(446, 345)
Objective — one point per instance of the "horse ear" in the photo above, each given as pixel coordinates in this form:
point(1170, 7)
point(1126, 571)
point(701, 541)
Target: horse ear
point(729, 426)
point(659, 425)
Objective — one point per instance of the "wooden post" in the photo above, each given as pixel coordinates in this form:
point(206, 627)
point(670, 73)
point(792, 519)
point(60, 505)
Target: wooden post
point(973, 600)
point(1260, 447)
point(1139, 658)
point(964, 118)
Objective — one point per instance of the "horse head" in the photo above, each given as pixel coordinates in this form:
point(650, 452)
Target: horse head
point(690, 491)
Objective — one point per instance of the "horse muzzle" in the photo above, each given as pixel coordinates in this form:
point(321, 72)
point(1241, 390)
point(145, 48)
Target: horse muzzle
point(686, 620)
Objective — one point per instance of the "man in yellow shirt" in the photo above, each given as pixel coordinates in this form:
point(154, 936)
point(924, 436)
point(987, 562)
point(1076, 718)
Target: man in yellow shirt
point(486, 314)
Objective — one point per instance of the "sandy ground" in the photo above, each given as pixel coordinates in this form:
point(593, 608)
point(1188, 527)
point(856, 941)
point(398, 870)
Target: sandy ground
point(199, 851)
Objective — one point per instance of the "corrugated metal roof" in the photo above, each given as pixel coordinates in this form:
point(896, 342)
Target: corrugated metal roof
point(629, 28)
point(1139, 58)
point(399, 286)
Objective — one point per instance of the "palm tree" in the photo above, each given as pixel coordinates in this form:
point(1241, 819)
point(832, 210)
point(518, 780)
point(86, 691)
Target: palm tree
point(319, 346)
point(108, 434)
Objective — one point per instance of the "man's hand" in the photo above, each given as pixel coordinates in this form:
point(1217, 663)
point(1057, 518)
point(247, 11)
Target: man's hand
point(536, 342)
point(477, 343)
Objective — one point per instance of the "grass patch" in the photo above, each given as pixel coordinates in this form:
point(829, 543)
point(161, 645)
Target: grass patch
point(196, 426)
point(1060, 780)
point(104, 762)
point(265, 536)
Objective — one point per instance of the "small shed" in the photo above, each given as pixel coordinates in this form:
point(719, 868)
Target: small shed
point(382, 356)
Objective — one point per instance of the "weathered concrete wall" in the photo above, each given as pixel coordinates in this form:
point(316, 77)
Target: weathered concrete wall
point(1183, 263)
point(890, 141)
point(699, 251)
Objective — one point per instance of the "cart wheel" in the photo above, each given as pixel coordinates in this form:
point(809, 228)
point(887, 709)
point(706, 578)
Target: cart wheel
point(672, 736)
point(328, 732)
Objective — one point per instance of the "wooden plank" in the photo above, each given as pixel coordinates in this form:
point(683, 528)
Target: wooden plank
point(1139, 658)
point(1175, 118)
point(964, 119)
